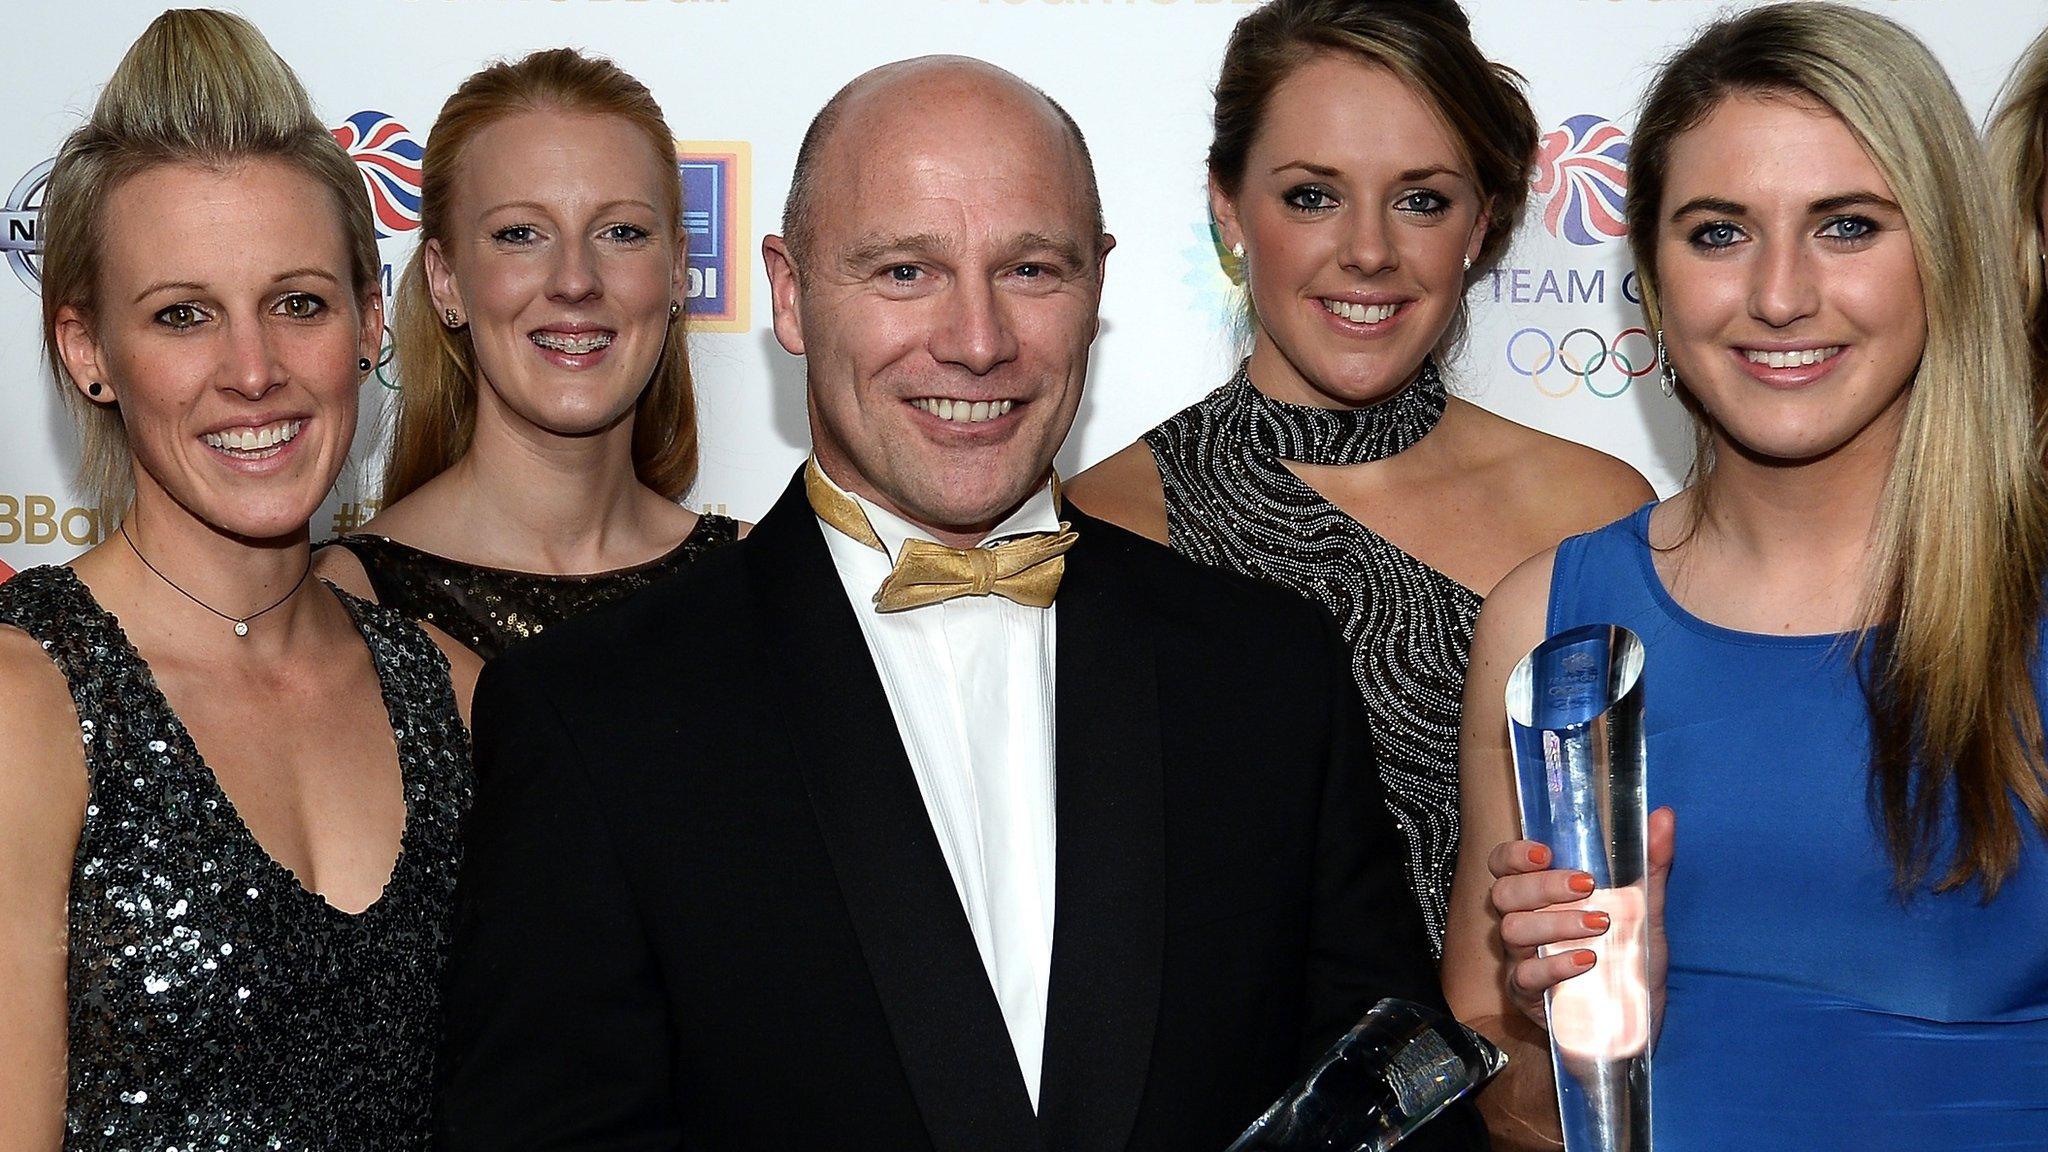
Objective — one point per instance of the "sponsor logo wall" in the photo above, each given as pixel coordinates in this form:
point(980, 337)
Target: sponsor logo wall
point(1556, 339)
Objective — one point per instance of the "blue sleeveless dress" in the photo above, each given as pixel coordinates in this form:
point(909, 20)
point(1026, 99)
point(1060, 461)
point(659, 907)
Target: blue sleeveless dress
point(1808, 1006)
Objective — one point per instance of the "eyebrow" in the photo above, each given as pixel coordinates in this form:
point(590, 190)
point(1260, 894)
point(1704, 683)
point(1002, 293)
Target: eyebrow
point(543, 209)
point(1406, 176)
point(1835, 203)
point(194, 286)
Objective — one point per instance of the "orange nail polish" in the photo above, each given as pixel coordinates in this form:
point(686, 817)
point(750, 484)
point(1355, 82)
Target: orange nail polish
point(1597, 921)
point(1582, 884)
point(1583, 958)
point(1539, 856)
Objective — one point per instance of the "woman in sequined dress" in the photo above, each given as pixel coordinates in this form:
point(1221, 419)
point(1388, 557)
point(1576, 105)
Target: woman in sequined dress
point(1368, 166)
point(229, 795)
point(546, 427)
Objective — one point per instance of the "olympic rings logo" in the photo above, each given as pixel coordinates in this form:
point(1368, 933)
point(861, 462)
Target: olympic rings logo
point(1581, 355)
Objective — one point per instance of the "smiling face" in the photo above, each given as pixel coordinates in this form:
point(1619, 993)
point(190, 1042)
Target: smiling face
point(947, 298)
point(1357, 213)
point(1790, 293)
point(562, 256)
point(228, 332)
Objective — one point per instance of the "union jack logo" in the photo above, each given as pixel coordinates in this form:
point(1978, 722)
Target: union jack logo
point(389, 159)
point(1582, 167)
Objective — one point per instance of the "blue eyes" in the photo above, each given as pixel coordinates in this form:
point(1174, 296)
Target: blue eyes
point(521, 235)
point(1314, 198)
point(1717, 235)
point(1310, 198)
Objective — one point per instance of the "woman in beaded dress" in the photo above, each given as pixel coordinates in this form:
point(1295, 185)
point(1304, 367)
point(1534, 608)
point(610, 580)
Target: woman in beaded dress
point(1368, 164)
point(546, 427)
point(229, 795)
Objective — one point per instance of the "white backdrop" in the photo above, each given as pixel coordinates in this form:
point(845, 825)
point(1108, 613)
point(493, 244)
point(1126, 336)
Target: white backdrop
point(739, 79)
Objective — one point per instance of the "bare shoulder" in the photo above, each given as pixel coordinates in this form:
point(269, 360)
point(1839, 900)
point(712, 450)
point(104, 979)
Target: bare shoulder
point(42, 758)
point(1513, 618)
point(339, 567)
point(463, 667)
point(1570, 487)
point(1124, 490)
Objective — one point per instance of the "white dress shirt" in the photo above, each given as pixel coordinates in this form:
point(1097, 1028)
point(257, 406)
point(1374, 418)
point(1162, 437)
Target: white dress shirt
point(970, 682)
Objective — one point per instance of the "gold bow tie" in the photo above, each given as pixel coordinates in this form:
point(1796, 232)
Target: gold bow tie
point(1025, 569)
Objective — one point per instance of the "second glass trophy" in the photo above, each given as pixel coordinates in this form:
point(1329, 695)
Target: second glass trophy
point(1575, 721)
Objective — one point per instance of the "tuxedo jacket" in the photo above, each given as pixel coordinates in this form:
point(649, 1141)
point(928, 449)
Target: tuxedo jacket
point(703, 907)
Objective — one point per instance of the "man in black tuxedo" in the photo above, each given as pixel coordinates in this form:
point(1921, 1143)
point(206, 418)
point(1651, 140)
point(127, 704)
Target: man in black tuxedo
point(771, 856)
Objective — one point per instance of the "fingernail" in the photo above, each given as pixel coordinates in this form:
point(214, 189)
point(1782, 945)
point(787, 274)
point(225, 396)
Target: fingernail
point(1539, 856)
point(1582, 883)
point(1583, 958)
point(1597, 921)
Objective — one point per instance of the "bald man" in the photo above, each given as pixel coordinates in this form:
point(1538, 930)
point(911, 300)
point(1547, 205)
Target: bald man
point(934, 815)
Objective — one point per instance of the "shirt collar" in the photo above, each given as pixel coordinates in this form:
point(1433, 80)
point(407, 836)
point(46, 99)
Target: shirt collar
point(1039, 513)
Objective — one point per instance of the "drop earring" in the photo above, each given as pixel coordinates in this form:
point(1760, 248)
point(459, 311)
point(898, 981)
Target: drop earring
point(1669, 377)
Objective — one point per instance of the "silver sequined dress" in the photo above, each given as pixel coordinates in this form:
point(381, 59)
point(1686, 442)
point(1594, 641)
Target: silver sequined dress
point(215, 1004)
point(1233, 503)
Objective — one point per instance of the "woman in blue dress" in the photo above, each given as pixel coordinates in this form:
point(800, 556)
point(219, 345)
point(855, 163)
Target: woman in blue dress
point(1842, 617)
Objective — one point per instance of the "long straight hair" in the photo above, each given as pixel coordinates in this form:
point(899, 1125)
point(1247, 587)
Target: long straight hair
point(1951, 620)
point(437, 372)
point(2019, 164)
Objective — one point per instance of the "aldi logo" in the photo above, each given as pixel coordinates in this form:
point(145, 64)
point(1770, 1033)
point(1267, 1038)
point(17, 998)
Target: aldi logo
point(716, 197)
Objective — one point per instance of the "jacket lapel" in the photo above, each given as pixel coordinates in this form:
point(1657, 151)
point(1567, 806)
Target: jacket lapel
point(913, 933)
point(1109, 897)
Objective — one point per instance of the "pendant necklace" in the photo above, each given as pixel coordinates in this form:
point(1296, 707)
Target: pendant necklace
point(241, 623)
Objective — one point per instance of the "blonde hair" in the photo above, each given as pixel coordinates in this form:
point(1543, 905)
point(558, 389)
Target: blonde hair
point(2019, 163)
point(199, 87)
point(1951, 621)
point(437, 370)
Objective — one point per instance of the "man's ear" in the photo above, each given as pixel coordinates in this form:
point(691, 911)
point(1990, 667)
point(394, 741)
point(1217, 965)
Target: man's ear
point(784, 294)
point(83, 357)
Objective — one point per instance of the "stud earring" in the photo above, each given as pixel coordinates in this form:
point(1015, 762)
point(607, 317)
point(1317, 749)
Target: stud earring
point(675, 309)
point(1237, 250)
point(362, 363)
point(1468, 263)
point(1669, 377)
point(454, 321)
point(96, 389)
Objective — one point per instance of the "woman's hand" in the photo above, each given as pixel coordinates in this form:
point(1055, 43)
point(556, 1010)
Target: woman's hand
point(1535, 906)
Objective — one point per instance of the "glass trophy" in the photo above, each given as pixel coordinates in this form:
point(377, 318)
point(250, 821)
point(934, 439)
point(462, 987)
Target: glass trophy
point(1575, 723)
point(1388, 1076)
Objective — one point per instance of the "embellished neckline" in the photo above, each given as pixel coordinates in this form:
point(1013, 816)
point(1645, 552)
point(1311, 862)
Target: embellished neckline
point(1311, 435)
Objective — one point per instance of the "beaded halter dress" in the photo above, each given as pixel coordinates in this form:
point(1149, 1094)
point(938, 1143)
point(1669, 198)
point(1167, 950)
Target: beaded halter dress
point(215, 1003)
point(489, 609)
point(1232, 502)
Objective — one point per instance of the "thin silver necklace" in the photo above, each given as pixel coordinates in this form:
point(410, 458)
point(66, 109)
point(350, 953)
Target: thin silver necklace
point(241, 623)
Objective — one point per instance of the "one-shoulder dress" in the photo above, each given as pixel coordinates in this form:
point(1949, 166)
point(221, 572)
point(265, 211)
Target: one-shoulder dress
point(215, 1003)
point(1232, 502)
point(1810, 1005)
